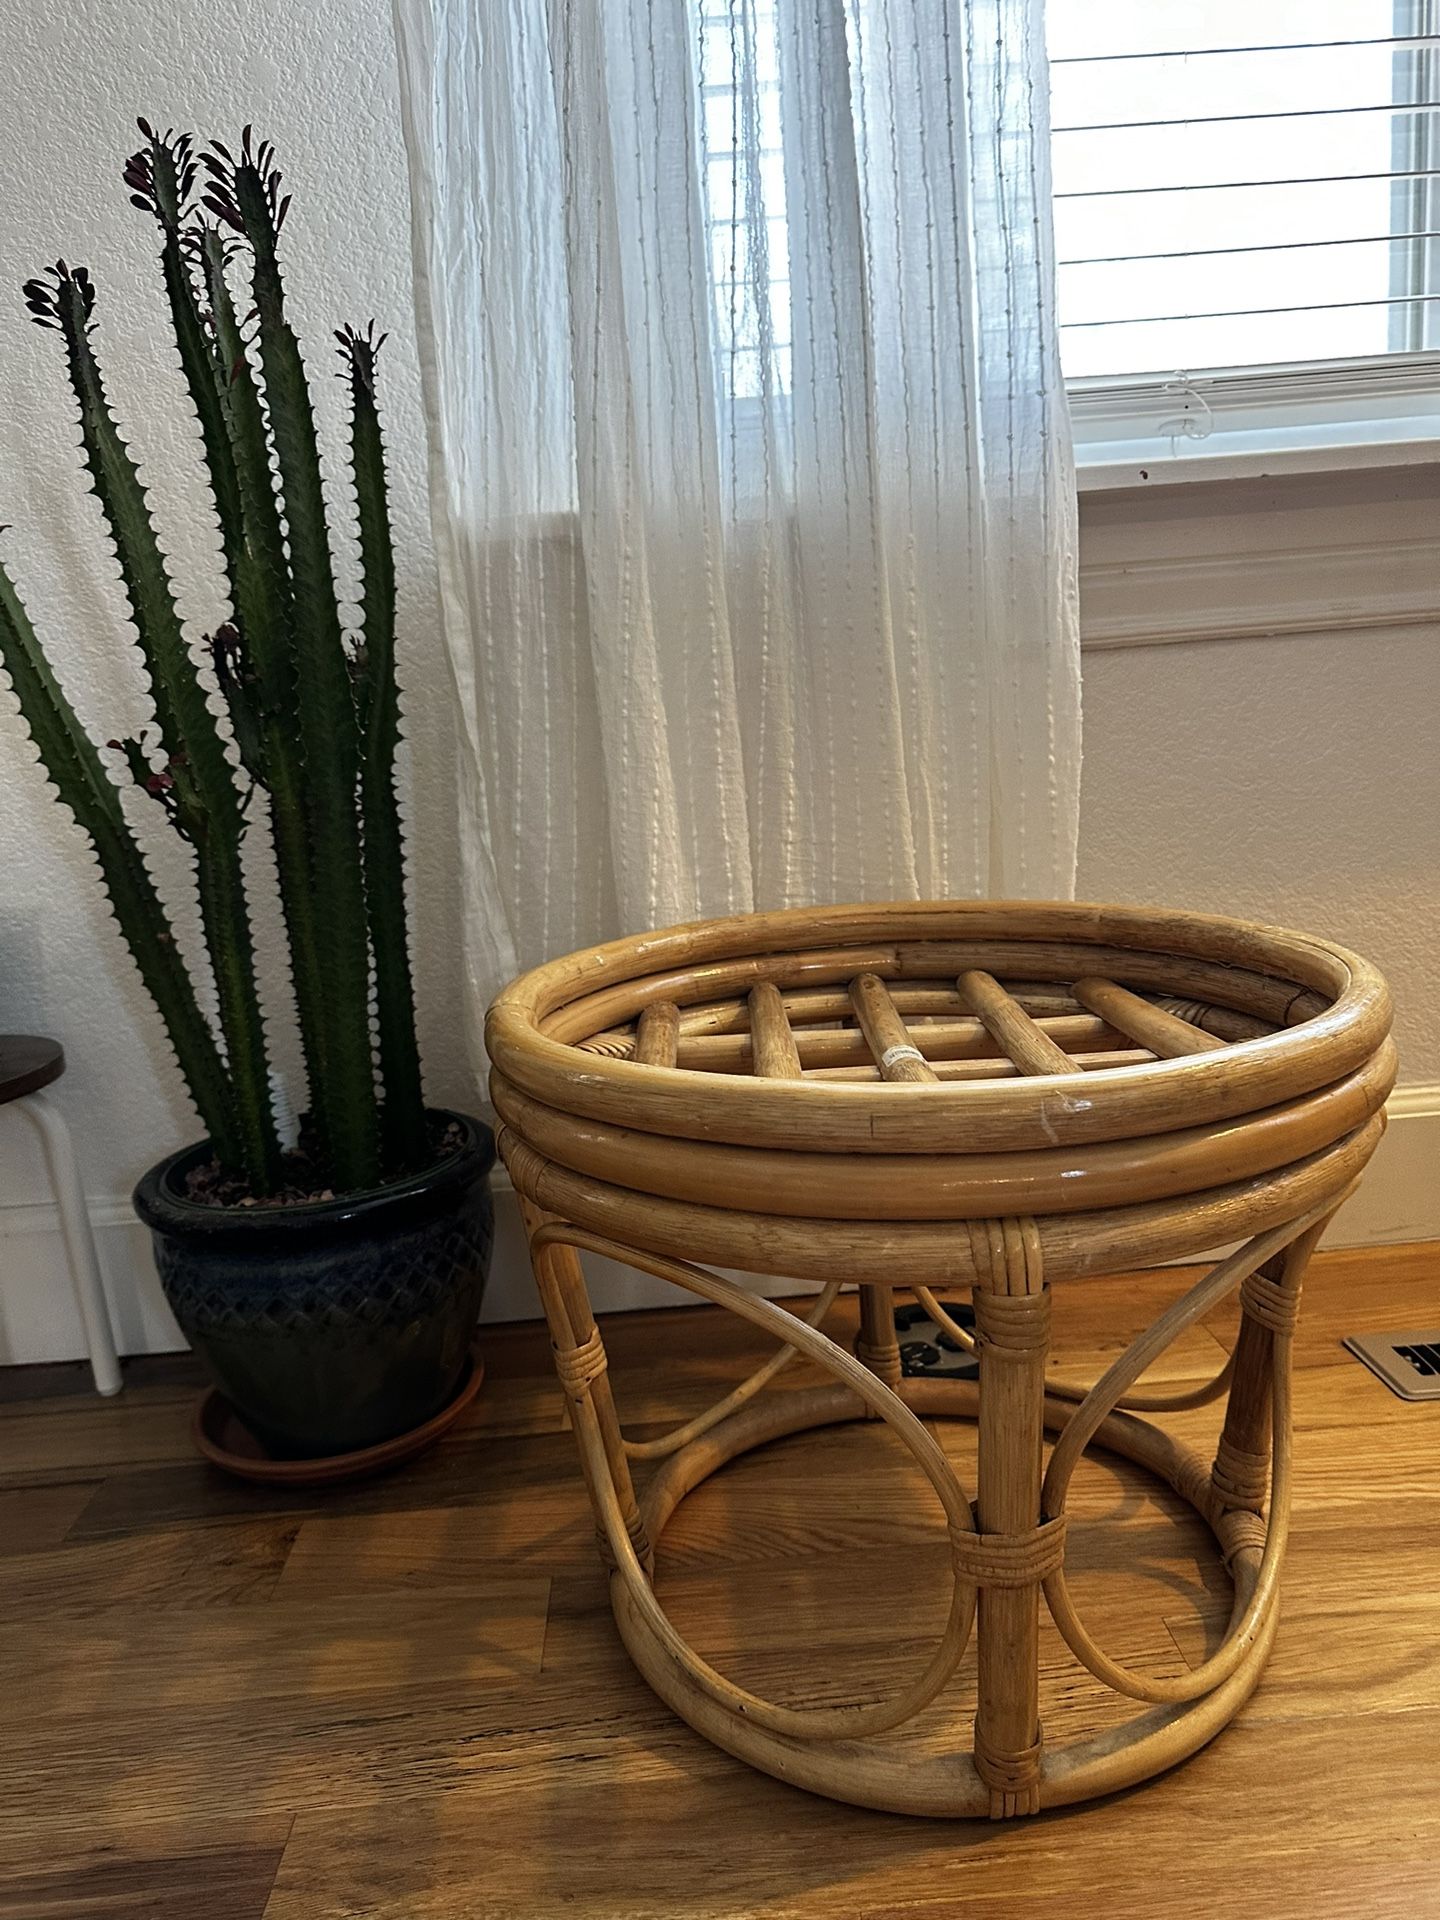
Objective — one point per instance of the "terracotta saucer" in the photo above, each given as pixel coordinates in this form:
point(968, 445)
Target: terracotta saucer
point(226, 1442)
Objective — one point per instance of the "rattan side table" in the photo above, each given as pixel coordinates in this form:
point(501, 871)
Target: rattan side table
point(1002, 1096)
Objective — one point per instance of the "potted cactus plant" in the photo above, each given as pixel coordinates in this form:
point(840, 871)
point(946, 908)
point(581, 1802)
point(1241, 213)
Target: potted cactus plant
point(331, 1283)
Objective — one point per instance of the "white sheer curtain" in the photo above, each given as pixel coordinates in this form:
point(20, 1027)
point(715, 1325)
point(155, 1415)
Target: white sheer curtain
point(750, 466)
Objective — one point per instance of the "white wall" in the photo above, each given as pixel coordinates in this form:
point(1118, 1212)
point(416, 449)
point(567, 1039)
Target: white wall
point(1272, 751)
point(1262, 693)
point(1294, 779)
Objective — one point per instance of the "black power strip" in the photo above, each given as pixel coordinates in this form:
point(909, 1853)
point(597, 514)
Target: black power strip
point(927, 1349)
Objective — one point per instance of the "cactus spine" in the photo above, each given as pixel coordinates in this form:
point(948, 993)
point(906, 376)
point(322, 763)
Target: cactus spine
point(313, 716)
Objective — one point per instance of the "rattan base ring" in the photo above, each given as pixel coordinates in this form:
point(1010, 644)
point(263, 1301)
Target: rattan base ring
point(886, 1776)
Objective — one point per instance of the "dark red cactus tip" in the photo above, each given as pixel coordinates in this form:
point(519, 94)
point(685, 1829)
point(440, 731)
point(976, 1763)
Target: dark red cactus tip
point(201, 234)
point(227, 650)
point(161, 176)
point(159, 783)
point(222, 192)
point(44, 295)
point(359, 352)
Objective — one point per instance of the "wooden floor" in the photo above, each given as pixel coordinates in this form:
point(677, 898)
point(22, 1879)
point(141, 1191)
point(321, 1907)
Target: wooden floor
point(408, 1700)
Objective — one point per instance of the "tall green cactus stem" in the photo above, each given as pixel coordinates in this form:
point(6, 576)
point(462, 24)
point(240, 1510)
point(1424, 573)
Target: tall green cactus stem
point(245, 194)
point(189, 733)
point(402, 1117)
point(255, 660)
point(75, 768)
point(262, 593)
point(161, 179)
point(269, 650)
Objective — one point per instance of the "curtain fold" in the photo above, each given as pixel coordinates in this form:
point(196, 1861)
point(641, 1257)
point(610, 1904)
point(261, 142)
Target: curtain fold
point(750, 473)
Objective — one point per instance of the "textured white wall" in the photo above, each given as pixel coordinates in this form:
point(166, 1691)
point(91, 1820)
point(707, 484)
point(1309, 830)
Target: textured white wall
point(1295, 780)
point(1292, 777)
point(318, 78)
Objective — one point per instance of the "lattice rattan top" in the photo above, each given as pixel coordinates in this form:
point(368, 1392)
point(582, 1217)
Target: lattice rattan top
point(973, 1027)
point(1018, 1025)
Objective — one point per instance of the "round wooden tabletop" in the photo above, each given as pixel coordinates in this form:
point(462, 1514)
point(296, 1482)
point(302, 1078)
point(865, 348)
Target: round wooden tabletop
point(903, 1068)
point(27, 1063)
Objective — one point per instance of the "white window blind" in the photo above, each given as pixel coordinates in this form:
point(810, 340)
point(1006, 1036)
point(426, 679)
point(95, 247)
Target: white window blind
point(1243, 186)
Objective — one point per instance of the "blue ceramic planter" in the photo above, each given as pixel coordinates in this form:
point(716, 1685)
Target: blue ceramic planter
point(339, 1324)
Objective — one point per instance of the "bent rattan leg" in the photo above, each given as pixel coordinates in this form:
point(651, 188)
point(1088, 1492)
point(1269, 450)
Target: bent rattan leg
point(876, 1345)
point(1241, 1472)
point(582, 1369)
point(1012, 1336)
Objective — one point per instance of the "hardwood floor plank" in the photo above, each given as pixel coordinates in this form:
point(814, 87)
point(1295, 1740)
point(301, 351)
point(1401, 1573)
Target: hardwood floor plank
point(443, 1550)
point(196, 1567)
point(160, 1871)
point(1362, 1467)
point(1375, 1660)
point(48, 1439)
point(134, 1661)
point(217, 1885)
point(411, 1730)
point(502, 1474)
point(1259, 1822)
point(32, 1518)
point(176, 1375)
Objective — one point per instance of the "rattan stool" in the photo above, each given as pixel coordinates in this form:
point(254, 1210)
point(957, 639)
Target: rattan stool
point(1004, 1097)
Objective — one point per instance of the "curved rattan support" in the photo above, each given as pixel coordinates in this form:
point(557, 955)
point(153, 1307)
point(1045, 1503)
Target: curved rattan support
point(1181, 1402)
point(797, 1744)
point(885, 1775)
point(753, 1383)
point(1103, 1399)
point(798, 1723)
point(947, 1324)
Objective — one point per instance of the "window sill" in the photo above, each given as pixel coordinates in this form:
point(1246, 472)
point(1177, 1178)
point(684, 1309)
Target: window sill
point(1107, 466)
point(1135, 467)
point(1252, 423)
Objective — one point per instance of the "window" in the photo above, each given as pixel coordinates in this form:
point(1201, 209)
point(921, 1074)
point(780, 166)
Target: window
point(745, 195)
point(1247, 217)
point(1247, 220)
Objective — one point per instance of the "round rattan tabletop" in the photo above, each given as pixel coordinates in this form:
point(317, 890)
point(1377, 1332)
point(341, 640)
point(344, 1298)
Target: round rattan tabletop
point(917, 1066)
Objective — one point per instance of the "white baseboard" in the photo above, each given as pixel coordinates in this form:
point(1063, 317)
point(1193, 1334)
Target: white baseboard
point(1398, 1200)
